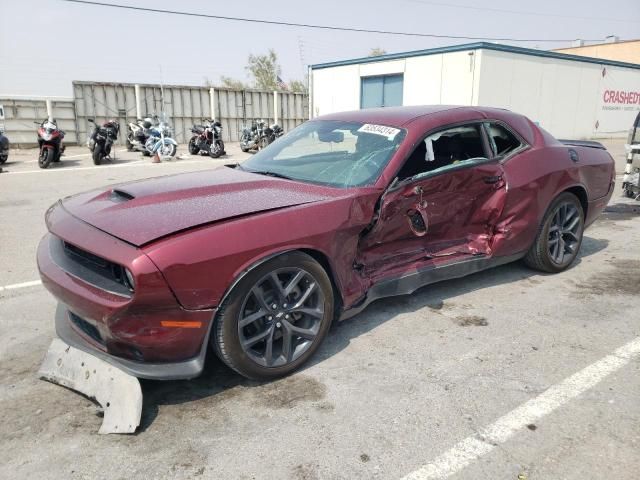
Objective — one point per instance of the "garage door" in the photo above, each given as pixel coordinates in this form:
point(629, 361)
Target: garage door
point(382, 91)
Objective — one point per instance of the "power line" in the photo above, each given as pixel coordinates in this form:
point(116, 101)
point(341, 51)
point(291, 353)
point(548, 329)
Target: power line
point(320, 27)
point(520, 12)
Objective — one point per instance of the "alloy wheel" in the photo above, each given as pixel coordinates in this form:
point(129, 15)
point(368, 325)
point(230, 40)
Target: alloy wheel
point(280, 317)
point(564, 233)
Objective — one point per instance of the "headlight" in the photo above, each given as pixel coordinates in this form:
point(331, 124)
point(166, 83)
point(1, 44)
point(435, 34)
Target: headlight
point(131, 284)
point(46, 136)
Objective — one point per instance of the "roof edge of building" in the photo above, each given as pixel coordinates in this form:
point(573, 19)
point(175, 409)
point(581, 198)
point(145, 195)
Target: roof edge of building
point(477, 46)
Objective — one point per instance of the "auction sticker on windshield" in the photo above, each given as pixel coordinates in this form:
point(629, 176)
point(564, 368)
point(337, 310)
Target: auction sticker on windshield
point(383, 130)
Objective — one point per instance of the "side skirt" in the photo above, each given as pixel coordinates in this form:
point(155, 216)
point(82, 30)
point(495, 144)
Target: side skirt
point(408, 284)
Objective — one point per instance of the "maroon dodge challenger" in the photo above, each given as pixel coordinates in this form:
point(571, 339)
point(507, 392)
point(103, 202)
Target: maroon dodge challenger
point(257, 259)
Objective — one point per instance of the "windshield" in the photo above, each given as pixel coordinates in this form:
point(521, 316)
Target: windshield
point(329, 152)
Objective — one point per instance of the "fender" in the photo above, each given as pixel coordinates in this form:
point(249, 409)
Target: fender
point(253, 264)
point(170, 141)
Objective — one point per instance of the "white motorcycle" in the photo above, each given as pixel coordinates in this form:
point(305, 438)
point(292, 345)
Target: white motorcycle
point(137, 135)
point(160, 141)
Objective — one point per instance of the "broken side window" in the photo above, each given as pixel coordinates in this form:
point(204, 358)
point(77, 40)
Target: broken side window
point(443, 149)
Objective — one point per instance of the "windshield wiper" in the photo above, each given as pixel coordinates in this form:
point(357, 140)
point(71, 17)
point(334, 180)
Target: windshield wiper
point(270, 174)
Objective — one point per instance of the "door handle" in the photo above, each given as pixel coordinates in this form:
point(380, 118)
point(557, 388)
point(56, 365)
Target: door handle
point(492, 179)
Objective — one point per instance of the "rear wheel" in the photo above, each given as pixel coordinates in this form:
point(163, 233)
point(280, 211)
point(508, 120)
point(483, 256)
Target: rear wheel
point(46, 157)
point(277, 316)
point(129, 145)
point(3, 157)
point(559, 236)
point(193, 148)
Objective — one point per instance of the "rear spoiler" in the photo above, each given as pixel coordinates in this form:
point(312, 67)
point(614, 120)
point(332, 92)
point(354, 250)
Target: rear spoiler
point(583, 143)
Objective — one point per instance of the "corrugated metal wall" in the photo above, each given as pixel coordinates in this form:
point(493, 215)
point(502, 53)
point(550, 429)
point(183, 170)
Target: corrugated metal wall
point(183, 105)
point(20, 113)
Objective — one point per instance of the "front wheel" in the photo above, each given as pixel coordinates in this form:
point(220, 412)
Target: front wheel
point(46, 157)
point(97, 155)
point(275, 319)
point(217, 149)
point(559, 236)
point(168, 150)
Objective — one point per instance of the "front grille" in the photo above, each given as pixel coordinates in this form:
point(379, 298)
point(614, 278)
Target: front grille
point(86, 327)
point(89, 267)
point(85, 256)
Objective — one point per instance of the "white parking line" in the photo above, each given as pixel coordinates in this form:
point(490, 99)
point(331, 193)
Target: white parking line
point(475, 446)
point(16, 286)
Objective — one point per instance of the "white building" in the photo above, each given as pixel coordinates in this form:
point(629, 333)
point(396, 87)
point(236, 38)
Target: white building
point(571, 96)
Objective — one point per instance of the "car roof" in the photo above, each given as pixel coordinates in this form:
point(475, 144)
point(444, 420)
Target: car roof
point(400, 116)
point(425, 117)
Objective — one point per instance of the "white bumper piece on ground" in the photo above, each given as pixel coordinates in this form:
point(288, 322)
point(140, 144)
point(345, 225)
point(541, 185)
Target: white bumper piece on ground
point(117, 392)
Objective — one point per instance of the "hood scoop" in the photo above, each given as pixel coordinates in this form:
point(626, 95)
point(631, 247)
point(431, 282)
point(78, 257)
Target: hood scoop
point(121, 196)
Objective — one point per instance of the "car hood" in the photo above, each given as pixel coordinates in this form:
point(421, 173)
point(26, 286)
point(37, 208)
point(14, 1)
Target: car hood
point(143, 211)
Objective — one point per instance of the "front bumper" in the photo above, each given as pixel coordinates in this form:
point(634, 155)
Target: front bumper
point(145, 332)
point(186, 369)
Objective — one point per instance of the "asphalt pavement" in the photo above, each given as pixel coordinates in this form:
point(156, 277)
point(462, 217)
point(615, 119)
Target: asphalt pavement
point(505, 374)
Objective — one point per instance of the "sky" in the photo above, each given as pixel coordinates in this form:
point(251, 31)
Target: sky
point(45, 44)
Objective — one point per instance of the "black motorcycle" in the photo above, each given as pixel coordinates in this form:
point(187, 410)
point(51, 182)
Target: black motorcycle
point(259, 135)
point(4, 148)
point(102, 138)
point(273, 133)
point(207, 140)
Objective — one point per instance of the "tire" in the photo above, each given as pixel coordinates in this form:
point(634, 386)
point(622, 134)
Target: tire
point(263, 143)
point(243, 148)
point(217, 149)
point(146, 153)
point(172, 150)
point(129, 145)
point(193, 148)
point(551, 239)
point(4, 158)
point(227, 336)
point(46, 157)
point(627, 192)
point(97, 154)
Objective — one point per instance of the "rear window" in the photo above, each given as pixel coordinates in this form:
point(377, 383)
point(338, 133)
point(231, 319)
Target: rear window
point(503, 142)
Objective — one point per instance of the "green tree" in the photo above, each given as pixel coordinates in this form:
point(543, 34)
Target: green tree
point(298, 86)
point(376, 52)
point(264, 69)
point(232, 83)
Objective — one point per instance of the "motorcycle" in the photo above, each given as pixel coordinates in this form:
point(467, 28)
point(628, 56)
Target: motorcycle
point(252, 137)
point(160, 140)
point(273, 132)
point(50, 142)
point(101, 140)
point(4, 148)
point(138, 134)
point(259, 135)
point(207, 140)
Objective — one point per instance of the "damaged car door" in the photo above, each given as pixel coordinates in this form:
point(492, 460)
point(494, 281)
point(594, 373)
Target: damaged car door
point(443, 205)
